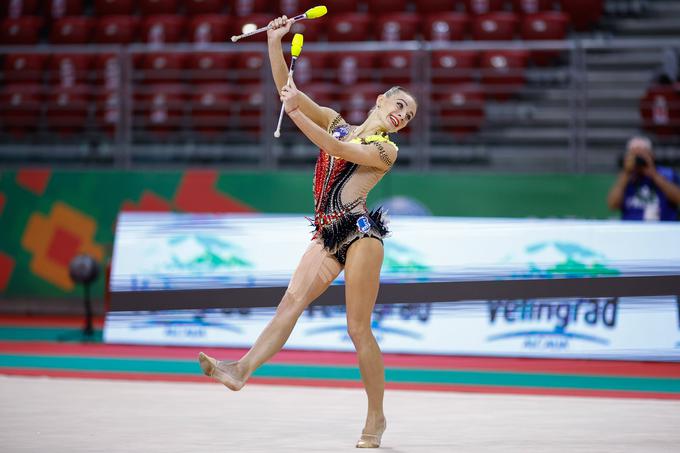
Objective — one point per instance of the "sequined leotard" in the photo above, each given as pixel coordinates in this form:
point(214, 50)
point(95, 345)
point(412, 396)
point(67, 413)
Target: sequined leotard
point(340, 190)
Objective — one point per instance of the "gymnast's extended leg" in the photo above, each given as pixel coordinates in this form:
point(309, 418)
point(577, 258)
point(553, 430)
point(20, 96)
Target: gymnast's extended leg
point(362, 280)
point(315, 272)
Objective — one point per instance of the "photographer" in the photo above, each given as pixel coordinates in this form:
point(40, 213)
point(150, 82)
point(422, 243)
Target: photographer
point(643, 190)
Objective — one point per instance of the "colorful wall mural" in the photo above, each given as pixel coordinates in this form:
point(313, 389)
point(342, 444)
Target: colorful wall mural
point(49, 216)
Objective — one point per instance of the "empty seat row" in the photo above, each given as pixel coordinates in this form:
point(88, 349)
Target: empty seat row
point(208, 109)
point(161, 29)
point(587, 10)
point(396, 67)
point(156, 108)
point(62, 8)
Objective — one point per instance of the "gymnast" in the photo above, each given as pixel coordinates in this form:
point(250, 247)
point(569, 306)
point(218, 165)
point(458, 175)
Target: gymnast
point(352, 159)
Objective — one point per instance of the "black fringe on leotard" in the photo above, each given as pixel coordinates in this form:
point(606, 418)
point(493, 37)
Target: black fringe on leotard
point(345, 230)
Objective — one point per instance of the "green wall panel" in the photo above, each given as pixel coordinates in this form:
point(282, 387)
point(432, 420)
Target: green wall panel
point(99, 195)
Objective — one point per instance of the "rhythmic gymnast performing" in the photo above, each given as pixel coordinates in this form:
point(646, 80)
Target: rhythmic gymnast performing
point(352, 160)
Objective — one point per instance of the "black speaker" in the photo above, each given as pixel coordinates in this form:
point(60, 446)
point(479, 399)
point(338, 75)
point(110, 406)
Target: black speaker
point(84, 270)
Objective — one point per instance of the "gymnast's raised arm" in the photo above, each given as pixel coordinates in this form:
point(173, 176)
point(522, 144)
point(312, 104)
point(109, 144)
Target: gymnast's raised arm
point(378, 155)
point(322, 116)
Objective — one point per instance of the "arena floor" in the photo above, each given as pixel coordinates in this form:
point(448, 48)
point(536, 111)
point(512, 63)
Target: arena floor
point(81, 415)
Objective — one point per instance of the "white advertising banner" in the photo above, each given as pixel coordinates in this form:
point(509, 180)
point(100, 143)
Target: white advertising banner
point(179, 251)
point(626, 328)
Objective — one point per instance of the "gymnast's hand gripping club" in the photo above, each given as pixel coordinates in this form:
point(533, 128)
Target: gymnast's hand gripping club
point(295, 49)
point(311, 13)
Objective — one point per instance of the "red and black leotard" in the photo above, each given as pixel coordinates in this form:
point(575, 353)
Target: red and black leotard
point(340, 190)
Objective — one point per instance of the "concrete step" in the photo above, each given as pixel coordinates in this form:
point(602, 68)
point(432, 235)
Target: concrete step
point(624, 59)
point(612, 96)
point(652, 26)
point(606, 76)
point(611, 135)
point(526, 135)
point(662, 8)
point(540, 116)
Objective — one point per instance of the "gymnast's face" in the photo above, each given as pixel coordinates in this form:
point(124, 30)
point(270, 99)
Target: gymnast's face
point(396, 111)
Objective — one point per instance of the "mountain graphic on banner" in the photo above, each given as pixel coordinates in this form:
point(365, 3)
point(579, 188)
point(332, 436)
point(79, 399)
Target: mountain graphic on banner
point(562, 259)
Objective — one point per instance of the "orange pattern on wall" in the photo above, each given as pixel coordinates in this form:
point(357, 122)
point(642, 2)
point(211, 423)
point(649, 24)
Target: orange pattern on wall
point(54, 240)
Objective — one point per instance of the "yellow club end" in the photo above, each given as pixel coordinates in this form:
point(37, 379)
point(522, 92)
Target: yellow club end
point(296, 45)
point(315, 12)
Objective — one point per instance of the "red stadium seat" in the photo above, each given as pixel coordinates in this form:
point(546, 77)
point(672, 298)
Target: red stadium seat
point(204, 6)
point(584, 13)
point(17, 8)
point(435, 6)
point(160, 108)
point(23, 30)
point(251, 104)
point(398, 26)
point(348, 6)
point(116, 30)
point(207, 28)
point(454, 66)
point(163, 28)
point(108, 72)
point(292, 8)
point(70, 70)
point(445, 27)
point(108, 110)
point(531, 6)
point(357, 102)
point(211, 68)
point(349, 27)
point(249, 66)
point(211, 108)
point(494, 27)
point(71, 30)
point(250, 7)
point(114, 7)
point(311, 67)
point(483, 6)
point(323, 93)
point(353, 67)
point(551, 25)
point(380, 7)
point(150, 7)
point(397, 67)
point(460, 109)
point(246, 23)
point(67, 109)
point(62, 8)
point(24, 68)
point(311, 29)
point(108, 91)
point(163, 68)
point(660, 110)
point(20, 107)
point(503, 72)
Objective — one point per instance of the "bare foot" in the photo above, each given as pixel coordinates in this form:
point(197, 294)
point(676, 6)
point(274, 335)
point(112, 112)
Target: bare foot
point(227, 373)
